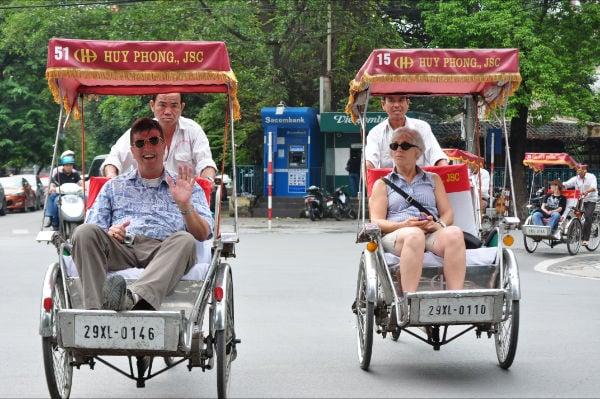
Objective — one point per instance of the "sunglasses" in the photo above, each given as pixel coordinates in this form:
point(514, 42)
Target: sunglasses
point(404, 145)
point(154, 140)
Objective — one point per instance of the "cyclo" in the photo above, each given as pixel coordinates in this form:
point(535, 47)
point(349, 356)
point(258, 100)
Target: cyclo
point(195, 324)
point(489, 302)
point(572, 219)
point(483, 223)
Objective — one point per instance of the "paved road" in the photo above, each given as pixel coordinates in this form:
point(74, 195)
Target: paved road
point(294, 286)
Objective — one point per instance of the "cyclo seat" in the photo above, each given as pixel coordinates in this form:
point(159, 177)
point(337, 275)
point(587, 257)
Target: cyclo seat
point(481, 262)
point(189, 285)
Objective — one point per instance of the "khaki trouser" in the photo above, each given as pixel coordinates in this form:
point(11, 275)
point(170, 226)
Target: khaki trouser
point(165, 262)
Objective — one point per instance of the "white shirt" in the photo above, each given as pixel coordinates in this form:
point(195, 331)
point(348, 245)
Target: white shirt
point(485, 182)
point(377, 149)
point(189, 145)
point(588, 181)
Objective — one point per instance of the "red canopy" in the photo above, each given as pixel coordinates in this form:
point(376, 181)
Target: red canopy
point(135, 68)
point(464, 157)
point(538, 160)
point(491, 73)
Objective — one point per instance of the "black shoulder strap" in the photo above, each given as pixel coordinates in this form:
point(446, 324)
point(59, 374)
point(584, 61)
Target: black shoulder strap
point(408, 198)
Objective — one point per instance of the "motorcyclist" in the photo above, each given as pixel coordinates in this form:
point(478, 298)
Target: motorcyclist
point(66, 175)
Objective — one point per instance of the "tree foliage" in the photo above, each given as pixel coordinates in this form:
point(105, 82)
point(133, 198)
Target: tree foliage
point(278, 51)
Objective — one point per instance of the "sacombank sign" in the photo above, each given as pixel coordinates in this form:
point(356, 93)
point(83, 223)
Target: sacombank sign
point(288, 119)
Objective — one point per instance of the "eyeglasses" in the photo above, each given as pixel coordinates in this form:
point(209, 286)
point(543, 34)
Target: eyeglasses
point(404, 145)
point(154, 140)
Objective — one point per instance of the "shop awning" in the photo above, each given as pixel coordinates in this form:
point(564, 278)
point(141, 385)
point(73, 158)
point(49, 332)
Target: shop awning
point(340, 122)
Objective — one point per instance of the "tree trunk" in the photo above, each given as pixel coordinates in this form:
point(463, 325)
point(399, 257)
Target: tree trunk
point(518, 143)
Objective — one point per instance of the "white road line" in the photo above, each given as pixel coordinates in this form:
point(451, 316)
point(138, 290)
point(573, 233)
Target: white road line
point(20, 231)
point(543, 266)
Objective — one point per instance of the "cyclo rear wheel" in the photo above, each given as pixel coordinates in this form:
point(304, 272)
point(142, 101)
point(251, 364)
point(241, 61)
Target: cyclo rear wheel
point(574, 237)
point(365, 318)
point(507, 331)
point(225, 345)
point(57, 360)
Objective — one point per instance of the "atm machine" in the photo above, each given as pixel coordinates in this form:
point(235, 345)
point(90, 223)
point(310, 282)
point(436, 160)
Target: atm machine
point(297, 149)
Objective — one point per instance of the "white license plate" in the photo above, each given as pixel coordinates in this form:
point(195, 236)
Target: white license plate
point(329, 203)
point(343, 197)
point(441, 310)
point(533, 230)
point(119, 332)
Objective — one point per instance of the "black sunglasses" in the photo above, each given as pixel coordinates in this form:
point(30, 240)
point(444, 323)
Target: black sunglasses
point(404, 145)
point(154, 140)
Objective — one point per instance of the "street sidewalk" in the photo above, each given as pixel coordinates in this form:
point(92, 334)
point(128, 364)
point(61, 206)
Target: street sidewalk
point(291, 225)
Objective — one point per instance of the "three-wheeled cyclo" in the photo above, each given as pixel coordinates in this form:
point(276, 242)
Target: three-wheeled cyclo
point(195, 323)
point(570, 224)
point(489, 301)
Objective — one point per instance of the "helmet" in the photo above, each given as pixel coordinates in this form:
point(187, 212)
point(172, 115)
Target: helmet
point(67, 160)
point(68, 152)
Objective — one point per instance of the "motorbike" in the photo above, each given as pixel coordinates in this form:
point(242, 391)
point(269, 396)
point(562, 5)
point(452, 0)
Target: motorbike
point(341, 200)
point(71, 208)
point(318, 204)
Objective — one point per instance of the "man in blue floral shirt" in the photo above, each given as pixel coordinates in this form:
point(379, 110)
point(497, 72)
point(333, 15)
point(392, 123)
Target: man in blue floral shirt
point(145, 219)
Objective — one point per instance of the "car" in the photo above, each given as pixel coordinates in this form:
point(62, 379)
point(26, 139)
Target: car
point(3, 205)
point(23, 192)
point(94, 169)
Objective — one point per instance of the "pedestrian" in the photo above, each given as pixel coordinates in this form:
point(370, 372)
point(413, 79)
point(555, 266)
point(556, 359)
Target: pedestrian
point(353, 169)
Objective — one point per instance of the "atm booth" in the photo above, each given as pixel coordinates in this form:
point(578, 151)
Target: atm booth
point(296, 149)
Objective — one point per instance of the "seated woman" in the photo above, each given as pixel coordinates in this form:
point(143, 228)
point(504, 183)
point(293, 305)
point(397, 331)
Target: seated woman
point(553, 206)
point(408, 232)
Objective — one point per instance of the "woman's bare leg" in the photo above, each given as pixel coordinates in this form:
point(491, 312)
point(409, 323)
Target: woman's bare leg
point(450, 245)
point(410, 246)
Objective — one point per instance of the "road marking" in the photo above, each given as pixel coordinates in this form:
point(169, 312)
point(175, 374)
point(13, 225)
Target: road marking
point(543, 266)
point(20, 232)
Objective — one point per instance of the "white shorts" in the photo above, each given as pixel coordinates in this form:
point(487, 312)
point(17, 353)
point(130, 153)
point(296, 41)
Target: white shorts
point(389, 241)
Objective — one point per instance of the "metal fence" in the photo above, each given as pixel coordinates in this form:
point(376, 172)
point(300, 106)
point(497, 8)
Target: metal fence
point(249, 179)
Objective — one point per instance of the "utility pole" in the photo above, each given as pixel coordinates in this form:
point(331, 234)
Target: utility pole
point(325, 80)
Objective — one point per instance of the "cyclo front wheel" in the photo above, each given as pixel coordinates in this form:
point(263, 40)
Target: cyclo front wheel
point(57, 360)
point(225, 344)
point(365, 318)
